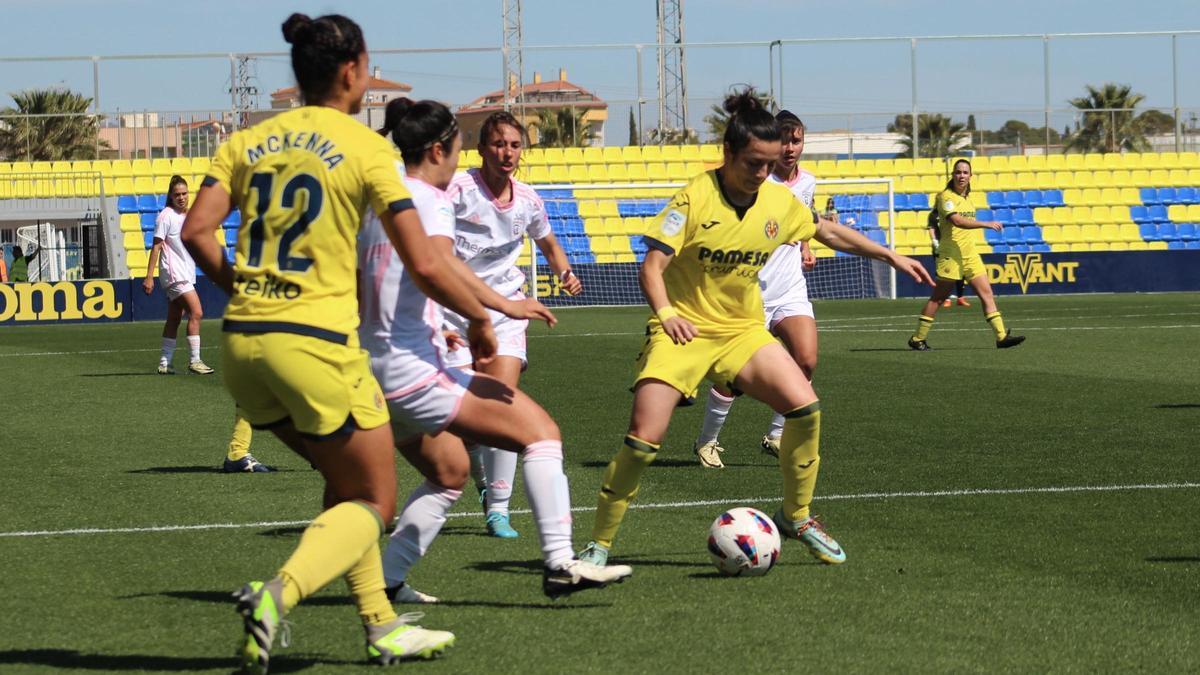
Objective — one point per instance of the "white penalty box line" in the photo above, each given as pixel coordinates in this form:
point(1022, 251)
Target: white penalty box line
point(916, 494)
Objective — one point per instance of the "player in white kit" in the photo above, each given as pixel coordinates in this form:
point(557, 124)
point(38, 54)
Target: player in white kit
point(433, 406)
point(789, 313)
point(177, 276)
point(495, 213)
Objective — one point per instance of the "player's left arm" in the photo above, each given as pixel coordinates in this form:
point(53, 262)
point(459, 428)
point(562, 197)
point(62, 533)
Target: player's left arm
point(213, 204)
point(528, 308)
point(847, 240)
point(557, 258)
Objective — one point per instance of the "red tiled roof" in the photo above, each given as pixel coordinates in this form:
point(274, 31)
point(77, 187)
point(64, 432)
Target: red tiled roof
point(374, 84)
point(534, 96)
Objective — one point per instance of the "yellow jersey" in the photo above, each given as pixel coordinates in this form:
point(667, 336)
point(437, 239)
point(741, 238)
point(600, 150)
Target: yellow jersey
point(950, 202)
point(303, 181)
point(712, 280)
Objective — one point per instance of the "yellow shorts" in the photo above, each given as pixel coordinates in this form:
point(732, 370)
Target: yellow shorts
point(953, 264)
point(685, 366)
point(324, 388)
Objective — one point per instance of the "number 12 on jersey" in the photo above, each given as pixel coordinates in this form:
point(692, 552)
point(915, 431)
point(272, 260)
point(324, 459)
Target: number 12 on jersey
point(263, 184)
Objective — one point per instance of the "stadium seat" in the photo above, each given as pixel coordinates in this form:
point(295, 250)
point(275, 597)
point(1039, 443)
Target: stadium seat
point(997, 200)
point(1148, 231)
point(147, 204)
point(1003, 216)
point(147, 221)
point(127, 204)
point(1033, 199)
point(1014, 198)
point(1023, 216)
point(918, 202)
point(1167, 232)
point(1158, 213)
point(1053, 198)
point(1167, 196)
point(1186, 195)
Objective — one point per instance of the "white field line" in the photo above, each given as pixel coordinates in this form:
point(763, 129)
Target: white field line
point(888, 328)
point(918, 494)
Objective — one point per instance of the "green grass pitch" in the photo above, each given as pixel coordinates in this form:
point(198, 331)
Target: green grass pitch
point(952, 478)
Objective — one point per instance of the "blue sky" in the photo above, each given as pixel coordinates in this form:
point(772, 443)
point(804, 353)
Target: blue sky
point(992, 78)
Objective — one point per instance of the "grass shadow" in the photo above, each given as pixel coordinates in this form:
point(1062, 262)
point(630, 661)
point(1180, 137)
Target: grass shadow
point(195, 469)
point(69, 658)
point(1177, 406)
point(669, 464)
point(118, 375)
point(291, 531)
point(549, 604)
point(226, 598)
point(906, 349)
point(1174, 559)
point(507, 566)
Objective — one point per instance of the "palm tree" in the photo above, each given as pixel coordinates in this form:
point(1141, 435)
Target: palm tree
point(70, 134)
point(717, 119)
point(1109, 123)
point(937, 135)
point(562, 128)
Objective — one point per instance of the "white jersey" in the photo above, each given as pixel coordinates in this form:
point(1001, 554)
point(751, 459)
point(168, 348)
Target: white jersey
point(401, 327)
point(175, 266)
point(782, 278)
point(489, 235)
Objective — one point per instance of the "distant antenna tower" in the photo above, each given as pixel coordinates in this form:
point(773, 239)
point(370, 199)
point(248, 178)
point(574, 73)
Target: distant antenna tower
point(245, 93)
point(513, 48)
point(672, 69)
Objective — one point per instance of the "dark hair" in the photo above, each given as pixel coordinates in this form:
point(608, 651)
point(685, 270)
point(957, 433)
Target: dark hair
point(319, 47)
point(748, 119)
point(416, 127)
point(496, 119)
point(788, 121)
point(175, 180)
point(950, 183)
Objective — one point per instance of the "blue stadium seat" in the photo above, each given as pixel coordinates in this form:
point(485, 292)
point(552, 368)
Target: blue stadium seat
point(918, 202)
point(1158, 213)
point(573, 225)
point(878, 202)
point(1040, 248)
point(638, 245)
point(1186, 195)
point(1192, 245)
point(869, 219)
point(1019, 248)
point(1032, 234)
point(649, 209)
point(997, 200)
point(551, 208)
point(1167, 196)
point(148, 238)
point(568, 209)
point(627, 209)
point(1052, 198)
point(1013, 236)
point(1002, 216)
point(147, 220)
point(993, 237)
point(1023, 216)
point(1176, 245)
point(1014, 199)
point(878, 237)
point(1186, 231)
point(1139, 214)
point(899, 202)
point(1000, 248)
point(841, 202)
point(581, 258)
point(984, 215)
point(127, 204)
point(1033, 199)
point(1149, 196)
point(1167, 232)
point(147, 204)
point(234, 218)
point(1148, 231)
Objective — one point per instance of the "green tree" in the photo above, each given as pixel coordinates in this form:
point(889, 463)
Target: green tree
point(563, 127)
point(71, 134)
point(717, 119)
point(1109, 123)
point(937, 135)
point(1154, 122)
point(633, 130)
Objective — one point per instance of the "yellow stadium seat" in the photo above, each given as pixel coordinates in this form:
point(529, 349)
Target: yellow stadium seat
point(902, 166)
point(200, 164)
point(539, 173)
point(593, 155)
point(1178, 178)
point(129, 222)
point(825, 168)
point(1091, 196)
point(1056, 163)
point(1074, 162)
point(1110, 195)
point(1111, 161)
point(1035, 162)
point(844, 168)
point(559, 174)
point(1099, 246)
point(161, 184)
point(711, 153)
point(932, 183)
point(573, 156)
point(613, 225)
point(983, 181)
point(1084, 179)
point(597, 173)
point(1089, 232)
point(671, 153)
point(1188, 160)
point(1043, 214)
point(885, 167)
point(631, 153)
point(607, 209)
point(690, 153)
point(588, 208)
point(1081, 214)
point(1168, 160)
point(121, 168)
point(1044, 180)
point(1129, 196)
point(693, 169)
point(577, 173)
point(1110, 232)
point(1194, 177)
point(617, 173)
point(1118, 246)
point(1093, 160)
point(1052, 233)
point(1118, 213)
point(656, 172)
point(1177, 213)
point(1157, 246)
point(677, 172)
point(864, 167)
point(594, 227)
point(1140, 177)
point(1121, 178)
point(1018, 163)
point(1080, 246)
point(637, 173)
point(926, 166)
point(141, 167)
point(1064, 215)
point(635, 225)
point(612, 154)
point(1103, 178)
point(123, 186)
point(1071, 234)
point(1128, 232)
point(1027, 180)
point(41, 167)
point(620, 245)
point(998, 163)
point(652, 153)
point(181, 166)
point(907, 219)
point(1072, 197)
point(1159, 177)
point(1193, 213)
point(144, 185)
point(600, 244)
point(161, 167)
point(1138, 246)
point(554, 156)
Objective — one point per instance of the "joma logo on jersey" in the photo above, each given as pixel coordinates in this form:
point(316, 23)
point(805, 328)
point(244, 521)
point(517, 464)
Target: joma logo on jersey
point(1024, 269)
point(718, 256)
point(99, 301)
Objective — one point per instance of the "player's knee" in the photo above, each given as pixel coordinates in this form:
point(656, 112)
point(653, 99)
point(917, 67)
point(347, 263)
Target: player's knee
point(452, 475)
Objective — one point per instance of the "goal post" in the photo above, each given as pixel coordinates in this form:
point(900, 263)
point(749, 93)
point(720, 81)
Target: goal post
point(600, 229)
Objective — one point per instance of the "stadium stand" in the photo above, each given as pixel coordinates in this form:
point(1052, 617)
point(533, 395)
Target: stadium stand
point(1092, 202)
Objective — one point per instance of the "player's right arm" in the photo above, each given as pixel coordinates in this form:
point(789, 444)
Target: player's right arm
point(948, 205)
point(199, 235)
point(148, 283)
point(650, 278)
point(959, 220)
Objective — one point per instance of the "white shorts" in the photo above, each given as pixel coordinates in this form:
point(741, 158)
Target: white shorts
point(176, 289)
point(429, 406)
point(510, 338)
point(778, 312)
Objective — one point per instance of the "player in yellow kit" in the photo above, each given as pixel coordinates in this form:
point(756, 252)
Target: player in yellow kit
point(700, 277)
point(303, 181)
point(957, 258)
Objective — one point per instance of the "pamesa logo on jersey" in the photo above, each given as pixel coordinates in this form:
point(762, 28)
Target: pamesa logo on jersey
point(1024, 269)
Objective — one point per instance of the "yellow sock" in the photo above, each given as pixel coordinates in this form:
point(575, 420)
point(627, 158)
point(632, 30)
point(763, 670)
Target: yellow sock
point(620, 486)
point(330, 545)
point(799, 459)
point(924, 323)
point(239, 442)
point(365, 580)
point(997, 324)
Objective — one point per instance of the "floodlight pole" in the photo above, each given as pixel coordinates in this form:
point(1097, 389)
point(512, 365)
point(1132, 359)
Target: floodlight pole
point(512, 49)
point(913, 66)
point(1175, 90)
point(1046, 87)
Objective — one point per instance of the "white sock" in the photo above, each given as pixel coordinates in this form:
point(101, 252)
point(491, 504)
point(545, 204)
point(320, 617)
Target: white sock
point(475, 452)
point(194, 347)
point(168, 350)
point(423, 516)
point(714, 417)
point(500, 467)
point(776, 430)
point(550, 500)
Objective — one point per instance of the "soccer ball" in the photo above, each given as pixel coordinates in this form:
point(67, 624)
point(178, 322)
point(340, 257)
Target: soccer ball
point(743, 542)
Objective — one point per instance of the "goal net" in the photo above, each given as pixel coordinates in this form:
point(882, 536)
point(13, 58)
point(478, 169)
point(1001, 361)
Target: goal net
point(600, 229)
